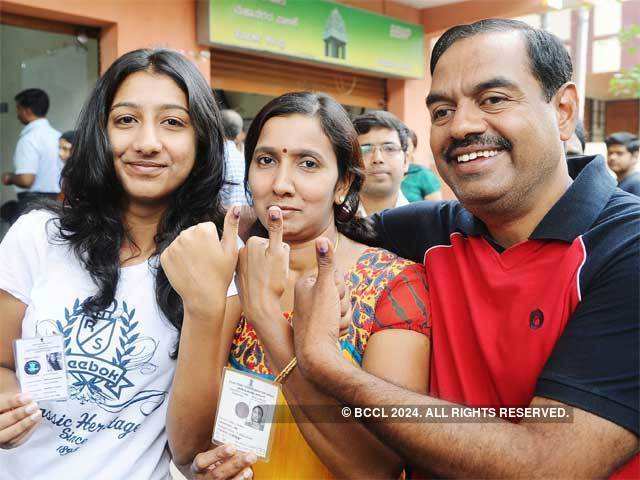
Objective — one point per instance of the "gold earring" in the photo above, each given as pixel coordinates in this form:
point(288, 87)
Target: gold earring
point(341, 199)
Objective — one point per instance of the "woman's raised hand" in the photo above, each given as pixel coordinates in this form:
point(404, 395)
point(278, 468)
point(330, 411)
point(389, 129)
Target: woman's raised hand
point(263, 270)
point(200, 266)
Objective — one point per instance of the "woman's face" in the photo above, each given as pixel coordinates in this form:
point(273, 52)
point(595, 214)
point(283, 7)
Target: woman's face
point(153, 140)
point(256, 415)
point(64, 149)
point(294, 167)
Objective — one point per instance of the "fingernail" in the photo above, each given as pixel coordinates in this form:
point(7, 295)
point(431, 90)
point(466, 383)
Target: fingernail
point(323, 246)
point(35, 415)
point(274, 214)
point(236, 211)
point(230, 450)
point(32, 407)
point(247, 474)
point(251, 458)
point(24, 398)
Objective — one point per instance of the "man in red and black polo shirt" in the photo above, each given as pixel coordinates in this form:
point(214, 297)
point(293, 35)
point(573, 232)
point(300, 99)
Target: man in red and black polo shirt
point(533, 276)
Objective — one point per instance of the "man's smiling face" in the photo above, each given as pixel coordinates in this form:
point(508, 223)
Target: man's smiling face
point(494, 136)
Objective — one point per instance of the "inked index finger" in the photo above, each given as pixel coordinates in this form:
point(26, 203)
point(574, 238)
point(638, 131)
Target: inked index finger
point(275, 225)
point(230, 233)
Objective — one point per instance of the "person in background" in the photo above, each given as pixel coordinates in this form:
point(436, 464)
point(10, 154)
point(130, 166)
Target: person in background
point(239, 141)
point(419, 183)
point(65, 145)
point(574, 147)
point(623, 161)
point(65, 149)
point(383, 143)
point(233, 190)
point(630, 184)
point(9, 212)
point(634, 147)
point(36, 164)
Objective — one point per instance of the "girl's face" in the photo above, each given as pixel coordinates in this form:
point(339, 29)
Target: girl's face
point(294, 167)
point(64, 149)
point(153, 140)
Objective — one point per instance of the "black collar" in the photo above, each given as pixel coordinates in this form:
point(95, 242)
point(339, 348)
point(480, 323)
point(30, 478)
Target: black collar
point(581, 204)
point(470, 225)
point(573, 214)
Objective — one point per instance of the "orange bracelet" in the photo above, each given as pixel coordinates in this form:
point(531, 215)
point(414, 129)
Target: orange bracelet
point(286, 370)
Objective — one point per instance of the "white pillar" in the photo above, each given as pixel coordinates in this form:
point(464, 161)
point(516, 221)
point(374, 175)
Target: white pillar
point(582, 47)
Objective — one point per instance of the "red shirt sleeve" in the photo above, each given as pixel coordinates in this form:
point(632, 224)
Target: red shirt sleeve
point(404, 303)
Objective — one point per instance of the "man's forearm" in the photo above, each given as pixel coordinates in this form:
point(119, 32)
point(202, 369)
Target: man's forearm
point(470, 450)
point(23, 180)
point(445, 449)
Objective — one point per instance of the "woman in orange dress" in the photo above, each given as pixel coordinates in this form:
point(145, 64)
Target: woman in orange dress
point(304, 172)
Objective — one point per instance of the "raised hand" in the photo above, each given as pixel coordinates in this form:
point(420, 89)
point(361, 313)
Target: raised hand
point(263, 270)
point(200, 266)
point(19, 417)
point(317, 311)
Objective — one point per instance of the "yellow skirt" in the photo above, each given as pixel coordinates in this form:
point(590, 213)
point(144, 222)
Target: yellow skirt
point(290, 456)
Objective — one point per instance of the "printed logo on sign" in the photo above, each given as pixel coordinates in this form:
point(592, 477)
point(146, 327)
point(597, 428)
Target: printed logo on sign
point(101, 353)
point(32, 367)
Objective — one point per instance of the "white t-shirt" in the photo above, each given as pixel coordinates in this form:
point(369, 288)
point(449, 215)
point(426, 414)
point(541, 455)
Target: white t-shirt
point(119, 369)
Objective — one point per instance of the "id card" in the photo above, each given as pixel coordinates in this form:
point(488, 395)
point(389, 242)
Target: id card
point(246, 408)
point(40, 367)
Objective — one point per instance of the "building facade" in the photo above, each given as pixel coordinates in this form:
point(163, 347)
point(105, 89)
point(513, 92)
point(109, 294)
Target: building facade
point(62, 46)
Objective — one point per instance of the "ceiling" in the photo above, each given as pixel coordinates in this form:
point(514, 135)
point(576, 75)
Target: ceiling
point(426, 3)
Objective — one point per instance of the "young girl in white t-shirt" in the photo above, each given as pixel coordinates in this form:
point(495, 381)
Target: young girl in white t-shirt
point(145, 173)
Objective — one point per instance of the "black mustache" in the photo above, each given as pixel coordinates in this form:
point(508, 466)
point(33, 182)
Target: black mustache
point(470, 140)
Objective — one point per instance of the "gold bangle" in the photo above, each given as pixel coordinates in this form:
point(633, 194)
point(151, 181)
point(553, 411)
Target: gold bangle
point(286, 370)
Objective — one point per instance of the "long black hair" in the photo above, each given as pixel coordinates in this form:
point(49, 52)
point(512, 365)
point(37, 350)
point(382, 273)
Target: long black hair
point(91, 215)
point(340, 131)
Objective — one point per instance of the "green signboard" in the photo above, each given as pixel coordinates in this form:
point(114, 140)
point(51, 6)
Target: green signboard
point(318, 31)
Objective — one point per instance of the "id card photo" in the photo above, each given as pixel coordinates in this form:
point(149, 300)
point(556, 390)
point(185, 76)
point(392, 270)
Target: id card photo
point(245, 414)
